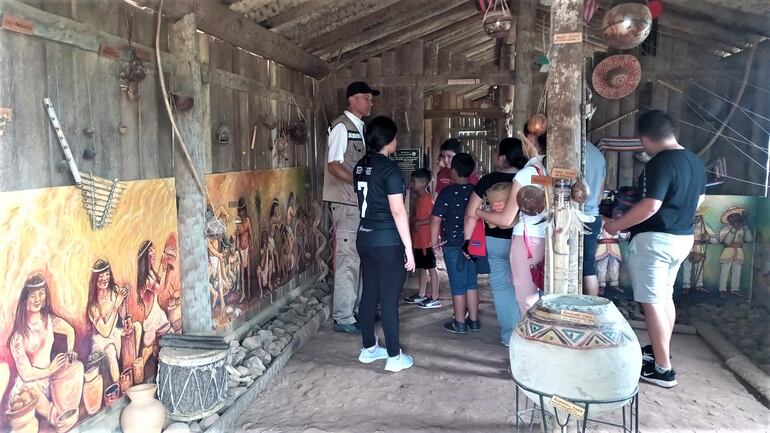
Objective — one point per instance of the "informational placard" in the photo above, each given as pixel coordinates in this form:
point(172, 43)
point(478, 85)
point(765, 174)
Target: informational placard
point(564, 173)
point(408, 160)
point(577, 317)
point(567, 406)
point(568, 38)
point(18, 24)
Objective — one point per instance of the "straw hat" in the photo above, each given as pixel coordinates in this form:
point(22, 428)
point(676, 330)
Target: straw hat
point(617, 76)
point(732, 211)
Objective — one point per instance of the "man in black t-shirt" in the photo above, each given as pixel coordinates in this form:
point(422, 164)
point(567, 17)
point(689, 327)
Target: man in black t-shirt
point(673, 185)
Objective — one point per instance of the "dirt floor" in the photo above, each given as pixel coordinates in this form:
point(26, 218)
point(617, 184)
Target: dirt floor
point(461, 383)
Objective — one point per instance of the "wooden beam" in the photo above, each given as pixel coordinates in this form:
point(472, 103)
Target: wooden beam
point(463, 46)
point(260, 10)
point(727, 17)
point(525, 41)
point(374, 27)
point(711, 45)
point(323, 20)
point(196, 308)
point(758, 7)
point(299, 15)
point(565, 98)
point(484, 113)
point(703, 29)
point(417, 30)
point(463, 26)
point(489, 79)
point(217, 20)
point(459, 35)
point(211, 75)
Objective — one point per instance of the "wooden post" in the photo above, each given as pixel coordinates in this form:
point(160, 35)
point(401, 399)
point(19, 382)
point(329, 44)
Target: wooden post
point(196, 305)
point(524, 56)
point(565, 97)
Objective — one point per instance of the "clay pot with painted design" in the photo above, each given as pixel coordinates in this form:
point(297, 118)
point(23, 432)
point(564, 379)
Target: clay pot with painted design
point(579, 348)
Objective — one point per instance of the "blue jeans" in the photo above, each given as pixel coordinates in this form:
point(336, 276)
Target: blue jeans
point(503, 294)
point(461, 271)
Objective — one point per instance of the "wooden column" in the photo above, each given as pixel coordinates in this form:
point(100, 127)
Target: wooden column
point(524, 56)
point(196, 305)
point(565, 94)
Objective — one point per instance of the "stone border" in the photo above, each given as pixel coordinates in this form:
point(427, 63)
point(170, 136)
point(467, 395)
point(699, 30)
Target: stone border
point(735, 360)
point(245, 400)
point(679, 328)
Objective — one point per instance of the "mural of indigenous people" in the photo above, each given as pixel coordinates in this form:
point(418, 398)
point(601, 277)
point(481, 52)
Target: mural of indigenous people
point(107, 311)
point(608, 260)
point(53, 379)
point(273, 244)
point(692, 268)
point(733, 236)
point(245, 246)
point(265, 266)
point(148, 285)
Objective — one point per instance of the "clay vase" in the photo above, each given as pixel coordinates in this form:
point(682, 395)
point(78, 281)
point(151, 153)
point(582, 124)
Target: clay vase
point(93, 390)
point(144, 414)
point(576, 347)
point(112, 394)
point(126, 380)
point(138, 371)
point(174, 313)
point(127, 347)
point(67, 420)
point(67, 387)
point(23, 419)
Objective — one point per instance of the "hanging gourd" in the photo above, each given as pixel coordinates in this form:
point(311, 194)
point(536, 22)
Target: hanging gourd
point(627, 25)
point(497, 22)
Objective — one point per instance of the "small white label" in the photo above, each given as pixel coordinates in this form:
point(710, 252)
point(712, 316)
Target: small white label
point(577, 317)
point(567, 406)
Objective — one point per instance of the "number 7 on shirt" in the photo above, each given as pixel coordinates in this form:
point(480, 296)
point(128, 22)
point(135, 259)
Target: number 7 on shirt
point(363, 186)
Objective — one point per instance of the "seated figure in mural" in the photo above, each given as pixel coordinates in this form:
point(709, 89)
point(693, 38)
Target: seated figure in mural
point(608, 260)
point(733, 235)
point(692, 267)
point(291, 212)
point(31, 343)
point(264, 268)
point(287, 252)
point(216, 277)
point(108, 314)
point(148, 284)
point(245, 246)
point(273, 245)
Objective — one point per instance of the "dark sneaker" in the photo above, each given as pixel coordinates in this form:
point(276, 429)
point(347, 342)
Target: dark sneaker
point(647, 355)
point(350, 328)
point(415, 299)
point(473, 325)
point(456, 327)
point(430, 303)
point(652, 375)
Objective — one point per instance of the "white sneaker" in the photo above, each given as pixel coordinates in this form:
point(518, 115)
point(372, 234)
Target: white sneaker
point(398, 363)
point(373, 353)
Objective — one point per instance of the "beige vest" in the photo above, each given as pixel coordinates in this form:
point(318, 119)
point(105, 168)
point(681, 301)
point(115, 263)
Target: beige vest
point(335, 190)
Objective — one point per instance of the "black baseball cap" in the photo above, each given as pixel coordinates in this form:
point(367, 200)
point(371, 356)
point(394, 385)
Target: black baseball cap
point(357, 87)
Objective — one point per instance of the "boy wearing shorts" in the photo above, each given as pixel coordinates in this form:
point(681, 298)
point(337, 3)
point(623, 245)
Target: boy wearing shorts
point(424, 258)
point(448, 218)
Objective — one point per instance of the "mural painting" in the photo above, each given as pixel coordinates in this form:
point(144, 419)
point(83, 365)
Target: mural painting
point(720, 263)
point(83, 310)
point(761, 290)
point(267, 240)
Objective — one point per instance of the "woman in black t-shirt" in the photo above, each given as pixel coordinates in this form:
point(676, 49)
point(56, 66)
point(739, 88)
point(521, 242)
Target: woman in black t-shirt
point(383, 243)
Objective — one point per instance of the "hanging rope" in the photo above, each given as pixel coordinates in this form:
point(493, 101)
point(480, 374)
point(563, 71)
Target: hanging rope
point(746, 74)
point(182, 145)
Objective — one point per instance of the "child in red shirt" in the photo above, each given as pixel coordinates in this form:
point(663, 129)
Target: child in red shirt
point(424, 258)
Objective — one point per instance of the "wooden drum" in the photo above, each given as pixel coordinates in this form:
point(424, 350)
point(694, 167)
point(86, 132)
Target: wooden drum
point(192, 383)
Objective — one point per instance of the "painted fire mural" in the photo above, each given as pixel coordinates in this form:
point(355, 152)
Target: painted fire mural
point(82, 310)
point(266, 242)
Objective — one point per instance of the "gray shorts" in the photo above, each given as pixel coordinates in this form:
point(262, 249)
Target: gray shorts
point(653, 262)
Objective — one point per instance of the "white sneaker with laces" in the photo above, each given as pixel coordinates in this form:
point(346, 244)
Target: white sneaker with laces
point(373, 353)
point(398, 363)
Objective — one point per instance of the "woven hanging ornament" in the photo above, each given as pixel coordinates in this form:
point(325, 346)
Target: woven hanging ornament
point(616, 76)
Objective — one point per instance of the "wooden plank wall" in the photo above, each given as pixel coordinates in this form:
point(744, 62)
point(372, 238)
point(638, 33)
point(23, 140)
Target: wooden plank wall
point(85, 90)
point(694, 126)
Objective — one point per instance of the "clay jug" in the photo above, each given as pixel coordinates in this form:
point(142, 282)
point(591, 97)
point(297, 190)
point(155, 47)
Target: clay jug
point(67, 387)
point(144, 414)
point(22, 418)
point(138, 370)
point(126, 380)
point(127, 347)
point(93, 390)
point(576, 347)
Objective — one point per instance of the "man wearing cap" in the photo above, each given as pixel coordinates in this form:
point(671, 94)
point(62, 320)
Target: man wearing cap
point(662, 224)
point(345, 148)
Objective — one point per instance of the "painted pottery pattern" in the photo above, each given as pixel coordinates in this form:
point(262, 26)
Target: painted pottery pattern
point(573, 337)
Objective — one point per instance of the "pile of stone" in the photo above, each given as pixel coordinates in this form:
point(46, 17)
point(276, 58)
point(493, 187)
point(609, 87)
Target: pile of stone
point(746, 326)
point(249, 358)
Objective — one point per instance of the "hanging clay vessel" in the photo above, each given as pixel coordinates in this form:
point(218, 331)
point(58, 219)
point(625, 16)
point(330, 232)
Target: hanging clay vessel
point(67, 387)
point(627, 25)
point(93, 390)
point(182, 102)
point(497, 24)
point(21, 412)
point(144, 414)
point(270, 121)
point(537, 125)
point(531, 200)
point(223, 134)
point(576, 347)
point(579, 192)
point(298, 132)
